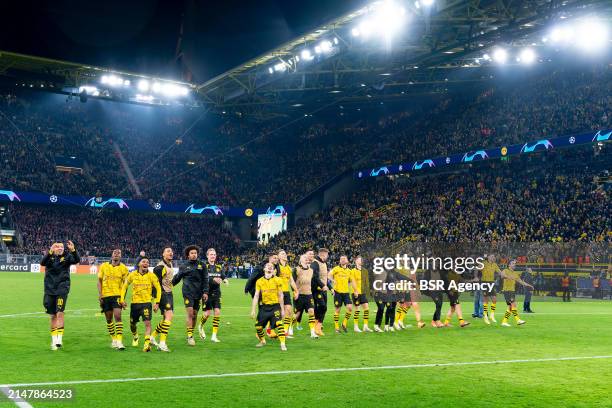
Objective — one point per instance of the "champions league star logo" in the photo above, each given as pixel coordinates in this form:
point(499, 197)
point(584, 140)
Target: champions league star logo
point(11, 195)
point(53, 198)
point(601, 138)
point(377, 172)
point(208, 209)
point(278, 210)
point(419, 166)
point(545, 143)
point(118, 202)
point(478, 155)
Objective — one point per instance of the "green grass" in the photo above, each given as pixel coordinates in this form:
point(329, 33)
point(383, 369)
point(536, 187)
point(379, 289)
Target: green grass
point(580, 328)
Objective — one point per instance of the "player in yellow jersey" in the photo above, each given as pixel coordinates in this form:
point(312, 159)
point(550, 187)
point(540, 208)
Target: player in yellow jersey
point(341, 277)
point(511, 277)
point(487, 275)
point(285, 273)
point(269, 297)
point(110, 280)
point(359, 297)
point(142, 282)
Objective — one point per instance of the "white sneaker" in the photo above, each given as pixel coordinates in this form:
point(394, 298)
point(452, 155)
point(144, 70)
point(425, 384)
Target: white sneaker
point(58, 342)
point(299, 327)
point(377, 329)
point(366, 329)
point(153, 341)
point(485, 319)
point(504, 324)
point(214, 339)
point(386, 327)
point(356, 329)
point(520, 322)
point(397, 326)
point(283, 347)
point(313, 335)
point(162, 346)
point(120, 345)
point(201, 332)
point(114, 344)
point(53, 346)
point(492, 318)
point(391, 329)
point(291, 331)
point(190, 341)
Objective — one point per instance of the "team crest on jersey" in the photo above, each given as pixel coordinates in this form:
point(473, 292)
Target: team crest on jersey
point(167, 305)
point(337, 303)
point(62, 259)
point(199, 266)
point(276, 314)
point(186, 301)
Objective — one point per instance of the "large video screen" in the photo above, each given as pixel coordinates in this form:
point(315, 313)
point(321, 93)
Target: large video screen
point(269, 225)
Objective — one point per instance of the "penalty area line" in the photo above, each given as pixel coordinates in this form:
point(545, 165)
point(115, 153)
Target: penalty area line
point(313, 371)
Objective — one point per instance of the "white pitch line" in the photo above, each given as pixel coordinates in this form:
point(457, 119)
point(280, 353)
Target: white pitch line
point(68, 312)
point(20, 402)
point(314, 371)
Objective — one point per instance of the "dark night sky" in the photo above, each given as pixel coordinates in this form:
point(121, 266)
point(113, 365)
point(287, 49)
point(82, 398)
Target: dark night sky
point(141, 36)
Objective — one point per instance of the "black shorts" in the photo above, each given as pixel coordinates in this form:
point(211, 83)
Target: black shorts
point(109, 303)
point(510, 297)
point(55, 303)
point(191, 302)
point(140, 311)
point(166, 302)
point(342, 299)
point(268, 314)
point(303, 303)
point(360, 299)
point(489, 292)
point(287, 298)
point(213, 302)
point(453, 297)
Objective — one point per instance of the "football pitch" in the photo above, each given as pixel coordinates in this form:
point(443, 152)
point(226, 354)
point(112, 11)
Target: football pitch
point(561, 357)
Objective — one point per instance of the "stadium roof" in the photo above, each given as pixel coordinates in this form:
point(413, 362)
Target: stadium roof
point(435, 46)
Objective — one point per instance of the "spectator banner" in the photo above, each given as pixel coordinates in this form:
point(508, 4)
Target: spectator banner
point(138, 205)
point(485, 154)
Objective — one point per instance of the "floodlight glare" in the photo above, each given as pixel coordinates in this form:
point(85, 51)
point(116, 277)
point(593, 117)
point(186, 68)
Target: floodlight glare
point(527, 56)
point(280, 67)
point(355, 32)
point(500, 56)
point(143, 85)
point(427, 3)
point(591, 35)
point(306, 55)
point(326, 46)
point(156, 87)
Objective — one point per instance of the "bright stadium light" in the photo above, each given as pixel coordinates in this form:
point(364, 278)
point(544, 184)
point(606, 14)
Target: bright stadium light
point(500, 56)
point(126, 82)
point(143, 85)
point(306, 55)
point(326, 46)
point(271, 70)
point(280, 67)
point(527, 56)
point(486, 57)
point(113, 80)
point(355, 32)
point(156, 87)
point(427, 3)
point(591, 35)
point(562, 34)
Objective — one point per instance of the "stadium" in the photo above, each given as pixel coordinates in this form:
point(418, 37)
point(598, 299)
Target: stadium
point(341, 203)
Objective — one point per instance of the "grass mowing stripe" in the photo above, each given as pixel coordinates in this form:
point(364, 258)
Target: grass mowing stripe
point(314, 371)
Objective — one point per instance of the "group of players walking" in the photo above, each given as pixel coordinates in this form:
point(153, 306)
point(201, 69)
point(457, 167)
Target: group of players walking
point(281, 296)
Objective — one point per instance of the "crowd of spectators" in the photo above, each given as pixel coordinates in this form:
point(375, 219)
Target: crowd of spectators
point(183, 155)
point(98, 232)
point(546, 197)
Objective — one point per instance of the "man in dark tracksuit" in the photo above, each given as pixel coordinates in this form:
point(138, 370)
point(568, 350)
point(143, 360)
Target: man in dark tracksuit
point(195, 287)
point(319, 267)
point(57, 286)
point(528, 278)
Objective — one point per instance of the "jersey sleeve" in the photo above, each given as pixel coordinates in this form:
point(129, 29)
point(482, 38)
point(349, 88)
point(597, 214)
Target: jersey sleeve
point(157, 286)
point(102, 271)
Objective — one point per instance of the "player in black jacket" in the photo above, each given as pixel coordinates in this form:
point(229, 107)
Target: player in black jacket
point(215, 278)
point(195, 287)
point(57, 286)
